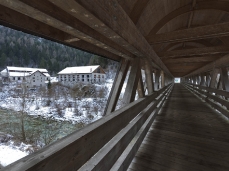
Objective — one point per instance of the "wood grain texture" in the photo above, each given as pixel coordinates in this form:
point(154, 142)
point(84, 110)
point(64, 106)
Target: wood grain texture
point(186, 135)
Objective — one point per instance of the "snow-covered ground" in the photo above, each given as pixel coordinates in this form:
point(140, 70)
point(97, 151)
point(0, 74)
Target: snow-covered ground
point(10, 153)
point(61, 108)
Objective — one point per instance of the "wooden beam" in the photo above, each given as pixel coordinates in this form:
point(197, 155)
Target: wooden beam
point(156, 83)
point(202, 80)
point(59, 14)
point(190, 59)
point(202, 5)
point(111, 14)
point(224, 78)
point(213, 78)
point(141, 92)
point(221, 62)
point(137, 10)
point(162, 79)
point(24, 23)
point(132, 82)
point(53, 22)
point(149, 78)
point(195, 51)
point(203, 32)
point(74, 9)
point(117, 87)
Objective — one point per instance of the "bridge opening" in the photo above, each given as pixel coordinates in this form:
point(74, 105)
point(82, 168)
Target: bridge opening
point(176, 80)
point(75, 84)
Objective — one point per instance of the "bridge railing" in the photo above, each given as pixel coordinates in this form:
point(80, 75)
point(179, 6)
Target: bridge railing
point(107, 144)
point(218, 99)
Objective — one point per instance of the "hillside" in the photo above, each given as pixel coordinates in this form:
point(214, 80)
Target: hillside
point(21, 49)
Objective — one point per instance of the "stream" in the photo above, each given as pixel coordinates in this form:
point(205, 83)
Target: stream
point(34, 130)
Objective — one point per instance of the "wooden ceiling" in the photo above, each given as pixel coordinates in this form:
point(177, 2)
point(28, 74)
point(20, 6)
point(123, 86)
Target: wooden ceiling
point(177, 36)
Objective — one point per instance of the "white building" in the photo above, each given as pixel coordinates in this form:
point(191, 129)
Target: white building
point(36, 79)
point(84, 74)
point(31, 76)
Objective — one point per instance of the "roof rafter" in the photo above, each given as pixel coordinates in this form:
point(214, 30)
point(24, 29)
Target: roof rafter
point(203, 32)
point(194, 52)
point(108, 18)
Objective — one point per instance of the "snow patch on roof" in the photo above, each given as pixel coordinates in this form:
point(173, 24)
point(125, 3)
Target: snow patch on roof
point(79, 70)
point(26, 69)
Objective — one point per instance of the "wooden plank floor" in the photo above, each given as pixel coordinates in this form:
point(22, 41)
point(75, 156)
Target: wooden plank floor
point(187, 135)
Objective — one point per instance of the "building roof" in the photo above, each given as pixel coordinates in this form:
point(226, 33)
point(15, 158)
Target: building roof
point(24, 71)
point(31, 73)
point(79, 69)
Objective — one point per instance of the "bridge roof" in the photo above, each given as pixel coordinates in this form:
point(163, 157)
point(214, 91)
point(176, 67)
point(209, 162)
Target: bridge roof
point(178, 36)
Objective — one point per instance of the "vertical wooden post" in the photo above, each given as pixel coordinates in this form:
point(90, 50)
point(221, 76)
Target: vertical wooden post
point(156, 83)
point(224, 78)
point(208, 79)
point(141, 92)
point(132, 82)
point(162, 79)
point(213, 78)
point(117, 87)
point(149, 77)
point(202, 80)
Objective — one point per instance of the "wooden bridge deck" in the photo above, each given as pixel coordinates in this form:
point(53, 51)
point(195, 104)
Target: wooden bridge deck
point(187, 135)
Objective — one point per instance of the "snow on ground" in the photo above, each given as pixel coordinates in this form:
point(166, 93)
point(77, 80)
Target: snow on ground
point(35, 106)
point(10, 153)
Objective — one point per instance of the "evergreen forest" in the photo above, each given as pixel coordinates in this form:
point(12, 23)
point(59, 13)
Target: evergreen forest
point(24, 50)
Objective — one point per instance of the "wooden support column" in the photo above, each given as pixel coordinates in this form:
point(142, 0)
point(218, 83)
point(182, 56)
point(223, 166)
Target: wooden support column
point(156, 83)
point(141, 92)
point(194, 80)
point(162, 79)
point(198, 79)
point(213, 78)
point(117, 87)
point(149, 77)
point(132, 82)
point(208, 78)
point(224, 78)
point(202, 81)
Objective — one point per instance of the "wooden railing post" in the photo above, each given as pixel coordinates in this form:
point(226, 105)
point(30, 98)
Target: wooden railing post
point(117, 87)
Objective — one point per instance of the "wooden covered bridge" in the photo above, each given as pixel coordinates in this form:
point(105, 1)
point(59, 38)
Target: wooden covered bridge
point(170, 127)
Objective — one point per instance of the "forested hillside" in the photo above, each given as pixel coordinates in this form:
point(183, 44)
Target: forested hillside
point(21, 49)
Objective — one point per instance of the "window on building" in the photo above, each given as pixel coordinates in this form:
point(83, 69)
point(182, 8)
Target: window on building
point(13, 78)
point(88, 80)
point(33, 80)
point(82, 76)
point(19, 78)
point(87, 76)
point(83, 80)
point(73, 79)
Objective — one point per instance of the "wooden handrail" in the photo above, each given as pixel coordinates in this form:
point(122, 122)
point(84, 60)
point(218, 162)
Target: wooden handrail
point(73, 151)
point(215, 101)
